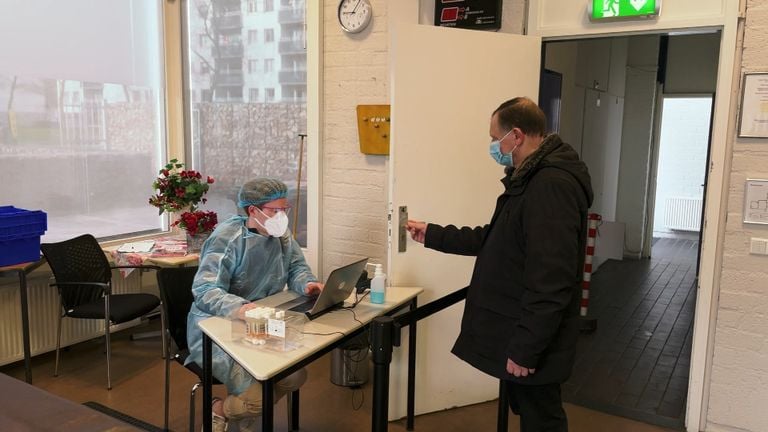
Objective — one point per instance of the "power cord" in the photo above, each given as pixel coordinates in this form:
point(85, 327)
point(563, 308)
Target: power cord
point(352, 357)
point(356, 357)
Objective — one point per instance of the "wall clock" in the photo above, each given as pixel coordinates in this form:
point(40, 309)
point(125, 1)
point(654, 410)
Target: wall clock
point(354, 15)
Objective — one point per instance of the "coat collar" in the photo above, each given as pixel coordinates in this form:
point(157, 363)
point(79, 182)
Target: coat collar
point(517, 177)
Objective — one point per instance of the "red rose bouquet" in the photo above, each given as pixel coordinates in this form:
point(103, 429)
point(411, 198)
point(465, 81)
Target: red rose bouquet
point(178, 188)
point(197, 222)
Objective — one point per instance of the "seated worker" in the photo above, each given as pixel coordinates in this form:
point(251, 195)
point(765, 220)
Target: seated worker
point(246, 258)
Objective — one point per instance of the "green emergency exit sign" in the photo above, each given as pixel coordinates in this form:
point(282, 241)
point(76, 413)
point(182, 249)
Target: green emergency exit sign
point(603, 10)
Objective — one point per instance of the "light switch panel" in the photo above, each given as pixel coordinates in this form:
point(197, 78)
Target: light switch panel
point(758, 246)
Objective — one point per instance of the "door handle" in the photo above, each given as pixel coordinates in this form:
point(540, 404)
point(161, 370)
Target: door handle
point(402, 228)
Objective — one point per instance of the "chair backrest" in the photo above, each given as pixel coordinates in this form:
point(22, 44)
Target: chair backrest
point(175, 285)
point(80, 259)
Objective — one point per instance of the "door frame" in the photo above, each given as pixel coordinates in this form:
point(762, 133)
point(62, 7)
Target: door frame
point(713, 229)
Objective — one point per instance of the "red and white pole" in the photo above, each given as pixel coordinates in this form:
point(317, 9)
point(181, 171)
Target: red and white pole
point(588, 324)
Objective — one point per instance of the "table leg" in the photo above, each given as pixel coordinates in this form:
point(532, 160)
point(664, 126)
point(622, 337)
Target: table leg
point(410, 411)
point(268, 405)
point(207, 383)
point(25, 325)
point(294, 407)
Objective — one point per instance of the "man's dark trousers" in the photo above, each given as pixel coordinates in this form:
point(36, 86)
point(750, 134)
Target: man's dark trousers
point(540, 407)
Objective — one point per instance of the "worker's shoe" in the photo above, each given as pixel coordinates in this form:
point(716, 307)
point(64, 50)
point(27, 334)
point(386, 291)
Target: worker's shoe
point(219, 423)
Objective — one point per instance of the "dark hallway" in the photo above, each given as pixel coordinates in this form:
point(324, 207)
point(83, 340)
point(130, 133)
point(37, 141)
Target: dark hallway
point(636, 363)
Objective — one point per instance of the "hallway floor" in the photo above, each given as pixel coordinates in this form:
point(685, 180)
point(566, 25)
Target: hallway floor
point(137, 376)
point(636, 363)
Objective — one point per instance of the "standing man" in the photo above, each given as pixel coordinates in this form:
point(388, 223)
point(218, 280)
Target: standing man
point(521, 316)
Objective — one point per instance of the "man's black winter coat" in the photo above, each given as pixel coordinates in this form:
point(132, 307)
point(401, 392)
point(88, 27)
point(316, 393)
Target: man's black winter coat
point(523, 300)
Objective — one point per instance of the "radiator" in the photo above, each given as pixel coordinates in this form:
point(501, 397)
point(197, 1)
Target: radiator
point(44, 314)
point(683, 214)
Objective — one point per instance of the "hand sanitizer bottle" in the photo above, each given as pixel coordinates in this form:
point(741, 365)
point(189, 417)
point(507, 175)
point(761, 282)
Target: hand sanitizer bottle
point(378, 285)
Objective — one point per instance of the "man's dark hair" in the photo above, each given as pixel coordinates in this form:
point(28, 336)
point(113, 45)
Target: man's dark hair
point(521, 113)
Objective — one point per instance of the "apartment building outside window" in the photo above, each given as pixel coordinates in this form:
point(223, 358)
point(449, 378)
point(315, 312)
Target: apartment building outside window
point(248, 121)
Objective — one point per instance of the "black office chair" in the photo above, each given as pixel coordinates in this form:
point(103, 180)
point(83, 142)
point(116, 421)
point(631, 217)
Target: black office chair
point(84, 281)
point(175, 285)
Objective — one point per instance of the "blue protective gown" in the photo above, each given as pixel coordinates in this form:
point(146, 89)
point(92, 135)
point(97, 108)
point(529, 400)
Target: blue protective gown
point(238, 266)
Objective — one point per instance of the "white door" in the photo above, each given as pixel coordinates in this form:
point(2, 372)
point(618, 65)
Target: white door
point(445, 85)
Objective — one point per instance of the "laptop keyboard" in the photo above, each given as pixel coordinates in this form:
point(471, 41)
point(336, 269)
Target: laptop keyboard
point(303, 307)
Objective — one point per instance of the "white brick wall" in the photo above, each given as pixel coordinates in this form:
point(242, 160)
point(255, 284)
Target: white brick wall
point(354, 202)
point(739, 381)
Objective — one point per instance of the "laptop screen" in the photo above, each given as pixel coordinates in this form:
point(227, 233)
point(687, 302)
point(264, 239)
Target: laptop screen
point(339, 286)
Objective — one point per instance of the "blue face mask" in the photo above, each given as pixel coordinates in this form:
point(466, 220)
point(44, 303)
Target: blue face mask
point(504, 159)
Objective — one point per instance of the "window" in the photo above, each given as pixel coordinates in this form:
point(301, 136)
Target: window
point(232, 133)
point(252, 6)
point(269, 5)
point(83, 143)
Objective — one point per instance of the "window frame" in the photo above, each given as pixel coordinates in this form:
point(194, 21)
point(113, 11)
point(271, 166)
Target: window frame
point(179, 125)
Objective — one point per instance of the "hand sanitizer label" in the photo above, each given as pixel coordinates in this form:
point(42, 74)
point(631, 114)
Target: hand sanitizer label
point(276, 328)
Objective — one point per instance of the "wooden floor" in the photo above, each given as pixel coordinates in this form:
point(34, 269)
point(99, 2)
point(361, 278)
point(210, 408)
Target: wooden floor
point(636, 363)
point(137, 376)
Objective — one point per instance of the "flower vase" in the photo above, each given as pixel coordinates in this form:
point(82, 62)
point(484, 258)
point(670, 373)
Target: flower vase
point(195, 242)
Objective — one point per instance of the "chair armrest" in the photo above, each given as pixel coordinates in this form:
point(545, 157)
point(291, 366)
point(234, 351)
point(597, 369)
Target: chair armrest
point(105, 286)
point(101, 284)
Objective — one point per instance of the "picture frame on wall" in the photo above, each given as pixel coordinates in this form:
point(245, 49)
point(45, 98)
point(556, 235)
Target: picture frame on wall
point(753, 113)
point(756, 201)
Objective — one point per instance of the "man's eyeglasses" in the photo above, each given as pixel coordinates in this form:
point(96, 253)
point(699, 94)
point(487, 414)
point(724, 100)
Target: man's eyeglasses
point(275, 210)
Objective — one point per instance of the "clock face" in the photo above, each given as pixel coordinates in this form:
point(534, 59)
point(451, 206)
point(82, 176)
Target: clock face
point(354, 15)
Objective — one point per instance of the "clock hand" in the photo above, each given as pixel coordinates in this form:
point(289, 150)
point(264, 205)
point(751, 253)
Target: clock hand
point(353, 9)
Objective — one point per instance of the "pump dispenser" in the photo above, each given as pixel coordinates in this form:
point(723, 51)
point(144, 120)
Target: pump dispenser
point(378, 285)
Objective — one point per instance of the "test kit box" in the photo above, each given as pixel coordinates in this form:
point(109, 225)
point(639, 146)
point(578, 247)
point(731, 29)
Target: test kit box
point(20, 232)
point(273, 329)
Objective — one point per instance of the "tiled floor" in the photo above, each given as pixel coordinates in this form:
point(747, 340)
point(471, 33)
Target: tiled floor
point(137, 377)
point(636, 363)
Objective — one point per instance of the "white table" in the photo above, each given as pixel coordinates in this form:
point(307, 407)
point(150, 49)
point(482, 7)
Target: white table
point(270, 366)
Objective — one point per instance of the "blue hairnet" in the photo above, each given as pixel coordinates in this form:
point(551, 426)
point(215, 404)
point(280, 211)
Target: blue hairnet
point(259, 191)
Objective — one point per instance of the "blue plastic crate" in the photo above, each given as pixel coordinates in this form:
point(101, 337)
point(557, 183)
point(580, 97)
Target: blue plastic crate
point(20, 232)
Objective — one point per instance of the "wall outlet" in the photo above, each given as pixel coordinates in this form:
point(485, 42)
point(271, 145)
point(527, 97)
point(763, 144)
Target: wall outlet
point(758, 246)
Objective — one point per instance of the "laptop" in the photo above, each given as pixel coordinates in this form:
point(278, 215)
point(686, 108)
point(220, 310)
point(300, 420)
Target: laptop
point(337, 288)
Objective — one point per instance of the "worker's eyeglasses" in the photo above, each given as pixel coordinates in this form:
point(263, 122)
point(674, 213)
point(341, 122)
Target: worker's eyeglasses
point(275, 210)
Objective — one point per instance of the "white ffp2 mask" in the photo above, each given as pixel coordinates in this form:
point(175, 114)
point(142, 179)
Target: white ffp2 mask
point(276, 225)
